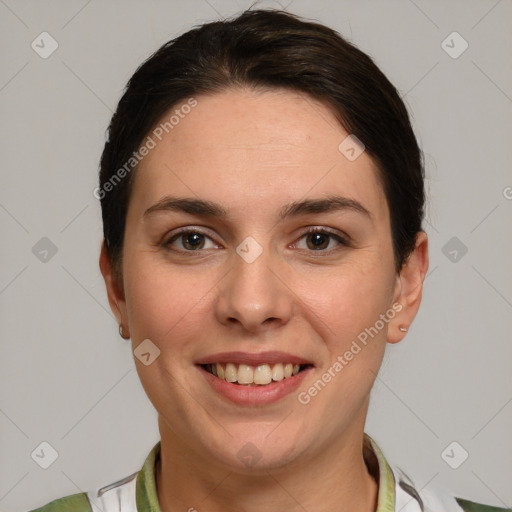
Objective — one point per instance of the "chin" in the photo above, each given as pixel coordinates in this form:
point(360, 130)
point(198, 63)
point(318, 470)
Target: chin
point(257, 449)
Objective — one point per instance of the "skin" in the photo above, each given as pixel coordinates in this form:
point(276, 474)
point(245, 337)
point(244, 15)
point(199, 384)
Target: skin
point(252, 153)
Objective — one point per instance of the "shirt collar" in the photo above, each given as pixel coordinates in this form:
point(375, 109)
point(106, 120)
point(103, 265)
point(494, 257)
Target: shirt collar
point(147, 498)
point(379, 468)
point(146, 495)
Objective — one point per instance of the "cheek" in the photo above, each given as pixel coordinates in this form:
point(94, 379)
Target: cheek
point(344, 309)
point(347, 300)
point(163, 305)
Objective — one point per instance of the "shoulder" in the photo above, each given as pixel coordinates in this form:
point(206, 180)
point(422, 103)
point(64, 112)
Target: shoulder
point(120, 496)
point(73, 503)
point(471, 506)
point(434, 499)
point(448, 502)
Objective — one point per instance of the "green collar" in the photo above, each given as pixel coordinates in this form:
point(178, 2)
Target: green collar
point(378, 465)
point(147, 498)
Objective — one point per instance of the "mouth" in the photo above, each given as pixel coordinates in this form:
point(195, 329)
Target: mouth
point(254, 375)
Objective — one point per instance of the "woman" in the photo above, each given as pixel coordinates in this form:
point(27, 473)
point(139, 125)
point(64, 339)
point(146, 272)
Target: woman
point(262, 199)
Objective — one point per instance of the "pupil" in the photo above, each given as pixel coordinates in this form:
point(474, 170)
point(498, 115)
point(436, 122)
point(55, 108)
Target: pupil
point(193, 240)
point(318, 240)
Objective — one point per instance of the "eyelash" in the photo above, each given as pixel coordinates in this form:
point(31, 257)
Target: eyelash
point(342, 241)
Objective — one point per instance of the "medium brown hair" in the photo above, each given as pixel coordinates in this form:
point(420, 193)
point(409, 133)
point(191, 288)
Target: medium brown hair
point(268, 49)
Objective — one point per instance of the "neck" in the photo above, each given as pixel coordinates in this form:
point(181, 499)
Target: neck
point(335, 479)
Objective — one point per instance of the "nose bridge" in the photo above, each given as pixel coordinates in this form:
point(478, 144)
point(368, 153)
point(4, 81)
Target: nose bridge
point(251, 294)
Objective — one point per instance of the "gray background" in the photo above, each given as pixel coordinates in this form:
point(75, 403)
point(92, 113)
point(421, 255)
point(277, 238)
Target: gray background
point(67, 378)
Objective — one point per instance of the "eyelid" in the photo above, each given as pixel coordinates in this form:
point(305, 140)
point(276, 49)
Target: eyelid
point(168, 239)
point(341, 237)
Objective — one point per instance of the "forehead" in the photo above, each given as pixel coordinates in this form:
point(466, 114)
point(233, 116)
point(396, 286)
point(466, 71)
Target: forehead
point(248, 148)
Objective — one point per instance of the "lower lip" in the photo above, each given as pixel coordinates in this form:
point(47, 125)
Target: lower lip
point(255, 395)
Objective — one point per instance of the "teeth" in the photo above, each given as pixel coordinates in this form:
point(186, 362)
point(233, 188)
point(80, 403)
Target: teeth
point(230, 373)
point(277, 372)
point(219, 370)
point(245, 374)
point(262, 374)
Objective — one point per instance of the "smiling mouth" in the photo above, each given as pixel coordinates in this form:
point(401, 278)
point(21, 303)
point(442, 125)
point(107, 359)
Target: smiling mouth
point(260, 375)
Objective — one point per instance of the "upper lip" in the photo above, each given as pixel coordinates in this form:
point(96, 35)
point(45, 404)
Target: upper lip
point(253, 359)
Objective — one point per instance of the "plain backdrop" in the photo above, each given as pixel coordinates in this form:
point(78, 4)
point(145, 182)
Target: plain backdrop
point(69, 380)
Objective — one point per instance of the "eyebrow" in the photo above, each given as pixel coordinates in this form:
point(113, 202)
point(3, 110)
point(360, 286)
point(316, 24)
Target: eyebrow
point(328, 204)
point(206, 208)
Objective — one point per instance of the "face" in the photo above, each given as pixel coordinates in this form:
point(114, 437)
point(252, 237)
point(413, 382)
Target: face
point(253, 242)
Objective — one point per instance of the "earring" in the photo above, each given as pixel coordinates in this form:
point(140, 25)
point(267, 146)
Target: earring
point(122, 334)
point(403, 328)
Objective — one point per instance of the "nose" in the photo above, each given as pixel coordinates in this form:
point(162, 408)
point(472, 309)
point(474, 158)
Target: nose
point(254, 296)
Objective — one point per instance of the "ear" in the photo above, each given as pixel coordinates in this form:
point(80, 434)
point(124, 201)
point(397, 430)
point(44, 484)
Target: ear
point(114, 289)
point(409, 288)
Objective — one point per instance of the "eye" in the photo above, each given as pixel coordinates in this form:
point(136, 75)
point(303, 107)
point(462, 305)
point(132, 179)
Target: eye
point(320, 240)
point(190, 240)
